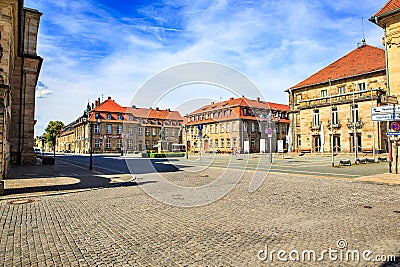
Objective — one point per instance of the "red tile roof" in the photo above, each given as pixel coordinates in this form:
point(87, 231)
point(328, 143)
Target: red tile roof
point(111, 107)
point(362, 60)
point(390, 6)
point(235, 105)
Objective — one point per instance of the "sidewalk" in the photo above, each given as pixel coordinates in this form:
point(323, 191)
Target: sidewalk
point(61, 178)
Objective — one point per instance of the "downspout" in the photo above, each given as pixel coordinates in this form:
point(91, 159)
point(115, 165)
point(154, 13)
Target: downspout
point(293, 145)
point(22, 41)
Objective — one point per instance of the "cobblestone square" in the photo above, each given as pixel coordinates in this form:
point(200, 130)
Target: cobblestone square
point(124, 226)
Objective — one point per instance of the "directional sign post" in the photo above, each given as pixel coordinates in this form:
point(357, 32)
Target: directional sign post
point(386, 117)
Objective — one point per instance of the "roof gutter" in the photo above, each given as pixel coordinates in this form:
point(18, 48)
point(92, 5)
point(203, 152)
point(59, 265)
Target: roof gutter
point(375, 19)
point(326, 82)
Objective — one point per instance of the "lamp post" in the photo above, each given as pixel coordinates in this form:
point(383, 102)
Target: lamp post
point(98, 120)
point(270, 135)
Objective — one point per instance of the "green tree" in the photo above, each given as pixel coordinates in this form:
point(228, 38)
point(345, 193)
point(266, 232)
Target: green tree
point(53, 129)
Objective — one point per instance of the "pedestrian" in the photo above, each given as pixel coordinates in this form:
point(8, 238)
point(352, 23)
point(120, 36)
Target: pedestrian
point(238, 152)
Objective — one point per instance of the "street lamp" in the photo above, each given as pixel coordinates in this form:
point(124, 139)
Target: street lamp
point(85, 119)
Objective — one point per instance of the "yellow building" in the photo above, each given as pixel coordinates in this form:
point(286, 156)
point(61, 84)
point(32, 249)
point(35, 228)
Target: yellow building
point(388, 18)
point(331, 109)
point(237, 123)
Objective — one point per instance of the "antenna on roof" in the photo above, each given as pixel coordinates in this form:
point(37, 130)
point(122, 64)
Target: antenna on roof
point(363, 42)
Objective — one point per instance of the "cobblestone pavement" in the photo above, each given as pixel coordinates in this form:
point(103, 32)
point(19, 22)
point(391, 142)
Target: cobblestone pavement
point(123, 226)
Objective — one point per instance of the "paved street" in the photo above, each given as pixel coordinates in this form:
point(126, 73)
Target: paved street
point(102, 218)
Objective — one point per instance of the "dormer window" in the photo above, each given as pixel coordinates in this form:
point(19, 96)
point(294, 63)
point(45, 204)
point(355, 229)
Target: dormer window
point(108, 116)
point(130, 117)
point(120, 117)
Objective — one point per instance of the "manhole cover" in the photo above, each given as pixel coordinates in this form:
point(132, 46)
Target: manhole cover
point(367, 207)
point(20, 201)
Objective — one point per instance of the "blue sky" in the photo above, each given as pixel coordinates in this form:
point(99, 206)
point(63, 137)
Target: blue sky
point(110, 47)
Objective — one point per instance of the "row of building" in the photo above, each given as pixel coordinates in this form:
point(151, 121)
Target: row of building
point(19, 71)
point(330, 111)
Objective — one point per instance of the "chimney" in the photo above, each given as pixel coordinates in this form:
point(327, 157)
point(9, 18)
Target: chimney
point(96, 103)
point(231, 98)
point(168, 109)
point(258, 99)
point(212, 103)
point(157, 109)
point(109, 98)
point(92, 105)
point(134, 106)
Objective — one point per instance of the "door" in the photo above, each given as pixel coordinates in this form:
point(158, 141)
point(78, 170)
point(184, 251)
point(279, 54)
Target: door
point(316, 144)
point(206, 145)
point(336, 143)
point(359, 142)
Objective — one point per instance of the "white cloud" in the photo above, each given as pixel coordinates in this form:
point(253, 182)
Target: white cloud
point(88, 51)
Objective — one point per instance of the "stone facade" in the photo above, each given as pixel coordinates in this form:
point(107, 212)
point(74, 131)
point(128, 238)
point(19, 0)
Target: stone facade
point(227, 125)
point(115, 128)
point(19, 70)
point(388, 18)
point(322, 113)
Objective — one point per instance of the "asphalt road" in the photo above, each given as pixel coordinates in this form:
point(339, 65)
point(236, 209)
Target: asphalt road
point(304, 165)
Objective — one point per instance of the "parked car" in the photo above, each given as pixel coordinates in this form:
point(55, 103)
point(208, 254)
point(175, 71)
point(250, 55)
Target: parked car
point(38, 152)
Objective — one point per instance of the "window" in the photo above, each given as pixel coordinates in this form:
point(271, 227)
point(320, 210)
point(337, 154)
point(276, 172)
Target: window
point(222, 142)
point(283, 128)
point(342, 90)
point(140, 131)
point(206, 116)
point(253, 143)
point(245, 112)
point(253, 127)
point(335, 119)
point(154, 132)
point(234, 126)
point(222, 128)
point(119, 129)
point(108, 143)
point(216, 142)
point(166, 132)
point(299, 140)
point(97, 129)
point(245, 126)
point(119, 144)
point(228, 142)
point(172, 132)
point(324, 93)
point(147, 132)
point(216, 128)
point(120, 117)
point(316, 121)
point(108, 129)
point(228, 127)
point(234, 142)
point(361, 86)
point(108, 116)
point(130, 117)
point(129, 143)
point(211, 128)
point(130, 129)
point(141, 121)
point(96, 143)
point(354, 113)
point(277, 128)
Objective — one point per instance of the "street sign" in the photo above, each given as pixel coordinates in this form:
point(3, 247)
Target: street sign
point(385, 110)
point(389, 99)
point(395, 126)
point(393, 133)
point(269, 132)
point(386, 117)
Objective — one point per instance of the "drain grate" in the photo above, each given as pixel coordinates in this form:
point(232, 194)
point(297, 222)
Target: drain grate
point(21, 201)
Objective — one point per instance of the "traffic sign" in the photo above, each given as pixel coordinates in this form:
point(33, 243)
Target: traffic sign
point(395, 126)
point(200, 127)
point(386, 117)
point(385, 109)
point(393, 133)
point(269, 132)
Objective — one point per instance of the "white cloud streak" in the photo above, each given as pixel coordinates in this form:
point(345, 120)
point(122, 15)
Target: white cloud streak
point(90, 51)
